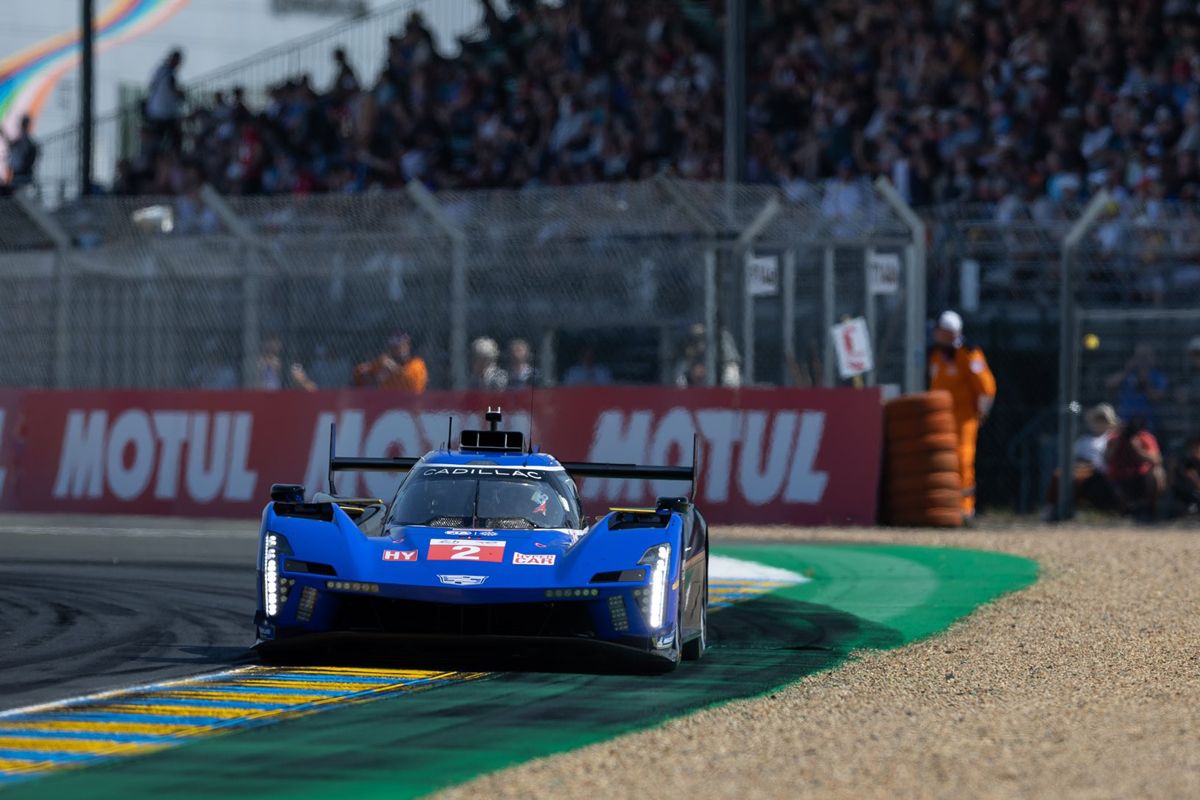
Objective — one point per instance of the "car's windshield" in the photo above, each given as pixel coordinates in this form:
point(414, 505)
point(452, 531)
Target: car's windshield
point(486, 497)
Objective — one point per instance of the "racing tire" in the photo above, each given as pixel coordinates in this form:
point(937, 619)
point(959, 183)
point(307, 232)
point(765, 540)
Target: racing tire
point(940, 422)
point(914, 464)
point(926, 443)
point(694, 650)
point(905, 484)
point(930, 518)
point(929, 500)
point(918, 406)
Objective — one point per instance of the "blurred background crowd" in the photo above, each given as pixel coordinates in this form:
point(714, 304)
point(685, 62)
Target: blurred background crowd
point(990, 100)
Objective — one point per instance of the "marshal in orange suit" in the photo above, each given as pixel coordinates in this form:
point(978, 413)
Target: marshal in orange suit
point(962, 371)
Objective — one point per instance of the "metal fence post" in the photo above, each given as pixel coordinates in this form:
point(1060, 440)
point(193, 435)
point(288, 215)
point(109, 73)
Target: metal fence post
point(787, 310)
point(828, 304)
point(869, 311)
point(741, 249)
point(1068, 406)
point(704, 224)
point(914, 286)
point(254, 246)
point(710, 316)
point(458, 280)
point(62, 285)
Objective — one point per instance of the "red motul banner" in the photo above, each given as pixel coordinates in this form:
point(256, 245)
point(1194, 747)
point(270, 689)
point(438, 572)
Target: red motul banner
point(801, 456)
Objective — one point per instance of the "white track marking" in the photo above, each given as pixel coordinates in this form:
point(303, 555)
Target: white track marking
point(87, 698)
point(724, 568)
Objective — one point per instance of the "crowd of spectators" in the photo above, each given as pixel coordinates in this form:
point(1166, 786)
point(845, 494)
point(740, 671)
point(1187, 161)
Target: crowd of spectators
point(987, 100)
point(398, 369)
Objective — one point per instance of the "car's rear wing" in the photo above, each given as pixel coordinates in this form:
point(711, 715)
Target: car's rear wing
point(343, 463)
point(576, 469)
point(585, 469)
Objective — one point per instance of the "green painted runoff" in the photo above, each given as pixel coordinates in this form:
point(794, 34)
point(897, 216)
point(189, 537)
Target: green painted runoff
point(860, 596)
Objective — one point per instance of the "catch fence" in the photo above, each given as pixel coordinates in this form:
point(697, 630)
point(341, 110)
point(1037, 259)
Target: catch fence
point(663, 280)
point(1133, 278)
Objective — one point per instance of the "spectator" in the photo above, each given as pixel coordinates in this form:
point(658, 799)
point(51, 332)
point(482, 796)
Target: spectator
point(521, 373)
point(345, 82)
point(327, 371)
point(213, 371)
point(22, 155)
point(164, 103)
point(1090, 478)
point(1190, 390)
point(486, 374)
point(1140, 386)
point(1135, 468)
point(399, 369)
point(1185, 477)
point(269, 367)
point(844, 200)
point(731, 362)
point(586, 371)
point(692, 370)
point(300, 378)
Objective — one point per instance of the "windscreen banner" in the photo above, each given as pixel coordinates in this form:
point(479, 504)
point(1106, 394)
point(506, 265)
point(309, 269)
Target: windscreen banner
point(786, 456)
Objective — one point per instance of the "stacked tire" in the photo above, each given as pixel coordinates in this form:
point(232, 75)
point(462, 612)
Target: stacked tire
point(922, 485)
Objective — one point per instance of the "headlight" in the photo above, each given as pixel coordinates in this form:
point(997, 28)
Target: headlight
point(274, 590)
point(654, 602)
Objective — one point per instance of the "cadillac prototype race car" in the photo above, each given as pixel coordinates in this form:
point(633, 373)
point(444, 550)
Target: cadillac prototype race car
point(486, 544)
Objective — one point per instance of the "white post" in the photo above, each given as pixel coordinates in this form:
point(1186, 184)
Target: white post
point(828, 304)
point(704, 224)
point(710, 316)
point(253, 247)
point(458, 280)
point(741, 250)
point(1068, 407)
point(914, 286)
point(548, 357)
point(869, 310)
point(788, 312)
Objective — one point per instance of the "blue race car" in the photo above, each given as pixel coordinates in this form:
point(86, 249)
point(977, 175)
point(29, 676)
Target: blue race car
point(486, 544)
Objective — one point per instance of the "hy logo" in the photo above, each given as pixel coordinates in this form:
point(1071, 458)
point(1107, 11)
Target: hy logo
point(462, 580)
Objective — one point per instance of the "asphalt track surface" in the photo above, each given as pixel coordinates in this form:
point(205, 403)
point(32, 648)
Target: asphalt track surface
point(127, 603)
point(86, 609)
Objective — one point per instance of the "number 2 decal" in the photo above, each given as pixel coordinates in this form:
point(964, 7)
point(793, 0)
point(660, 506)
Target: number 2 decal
point(465, 552)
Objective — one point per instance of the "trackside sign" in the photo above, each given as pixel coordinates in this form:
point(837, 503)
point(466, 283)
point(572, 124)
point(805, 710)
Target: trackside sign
point(766, 456)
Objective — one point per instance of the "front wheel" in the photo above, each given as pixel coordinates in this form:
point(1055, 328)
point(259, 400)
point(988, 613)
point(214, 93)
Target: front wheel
point(694, 650)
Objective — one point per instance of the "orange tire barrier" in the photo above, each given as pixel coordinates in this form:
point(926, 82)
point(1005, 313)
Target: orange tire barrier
point(922, 484)
point(910, 483)
point(922, 463)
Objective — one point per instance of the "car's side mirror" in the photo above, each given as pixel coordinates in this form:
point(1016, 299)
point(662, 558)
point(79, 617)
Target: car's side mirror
point(287, 492)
